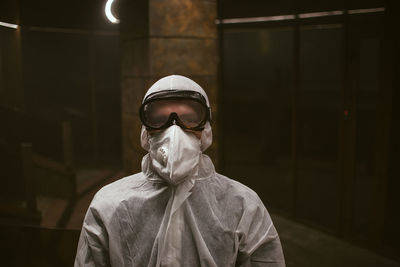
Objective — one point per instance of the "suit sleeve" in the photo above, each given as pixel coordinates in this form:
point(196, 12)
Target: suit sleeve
point(93, 242)
point(257, 239)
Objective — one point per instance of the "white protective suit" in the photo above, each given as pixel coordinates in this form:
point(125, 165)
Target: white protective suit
point(206, 220)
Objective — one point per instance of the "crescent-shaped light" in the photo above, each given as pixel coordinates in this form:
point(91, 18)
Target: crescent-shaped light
point(109, 14)
point(8, 25)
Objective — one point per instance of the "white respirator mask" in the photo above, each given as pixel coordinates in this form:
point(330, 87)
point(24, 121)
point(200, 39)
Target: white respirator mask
point(174, 154)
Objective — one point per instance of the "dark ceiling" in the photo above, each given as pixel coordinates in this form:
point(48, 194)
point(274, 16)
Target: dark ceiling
point(258, 8)
point(76, 14)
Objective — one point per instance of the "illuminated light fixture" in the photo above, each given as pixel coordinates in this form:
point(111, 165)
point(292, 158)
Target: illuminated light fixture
point(320, 14)
point(8, 25)
point(366, 10)
point(255, 19)
point(301, 16)
point(109, 14)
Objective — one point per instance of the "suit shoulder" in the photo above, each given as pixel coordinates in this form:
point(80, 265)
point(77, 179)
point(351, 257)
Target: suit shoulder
point(237, 189)
point(116, 191)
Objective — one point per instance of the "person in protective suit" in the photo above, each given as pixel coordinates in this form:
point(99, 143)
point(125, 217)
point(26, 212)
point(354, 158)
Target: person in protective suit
point(178, 211)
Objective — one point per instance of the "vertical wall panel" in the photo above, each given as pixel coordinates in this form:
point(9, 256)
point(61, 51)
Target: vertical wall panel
point(366, 136)
point(318, 190)
point(258, 81)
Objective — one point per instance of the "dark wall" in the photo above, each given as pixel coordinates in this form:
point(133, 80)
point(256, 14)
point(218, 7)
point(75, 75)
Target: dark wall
point(34, 246)
point(62, 63)
point(306, 108)
point(392, 216)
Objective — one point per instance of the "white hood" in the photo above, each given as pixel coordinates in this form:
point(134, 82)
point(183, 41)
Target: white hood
point(178, 82)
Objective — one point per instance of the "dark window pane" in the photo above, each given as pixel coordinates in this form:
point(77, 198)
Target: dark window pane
point(366, 135)
point(392, 220)
point(318, 190)
point(257, 111)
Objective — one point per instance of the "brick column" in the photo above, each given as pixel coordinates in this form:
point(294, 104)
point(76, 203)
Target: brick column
point(160, 38)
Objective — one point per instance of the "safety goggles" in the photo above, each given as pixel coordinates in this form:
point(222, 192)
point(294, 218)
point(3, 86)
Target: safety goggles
point(188, 109)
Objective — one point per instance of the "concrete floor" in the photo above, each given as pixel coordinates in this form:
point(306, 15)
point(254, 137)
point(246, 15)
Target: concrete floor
point(307, 247)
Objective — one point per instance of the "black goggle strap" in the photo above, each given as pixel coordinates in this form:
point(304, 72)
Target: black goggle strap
point(176, 94)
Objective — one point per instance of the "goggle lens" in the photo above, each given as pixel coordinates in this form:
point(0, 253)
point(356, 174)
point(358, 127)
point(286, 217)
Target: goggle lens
point(189, 112)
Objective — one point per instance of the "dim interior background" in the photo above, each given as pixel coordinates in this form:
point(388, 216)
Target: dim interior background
point(308, 117)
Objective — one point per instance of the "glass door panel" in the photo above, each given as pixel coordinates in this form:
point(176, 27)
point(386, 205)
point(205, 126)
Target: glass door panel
point(257, 111)
point(318, 181)
point(366, 134)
